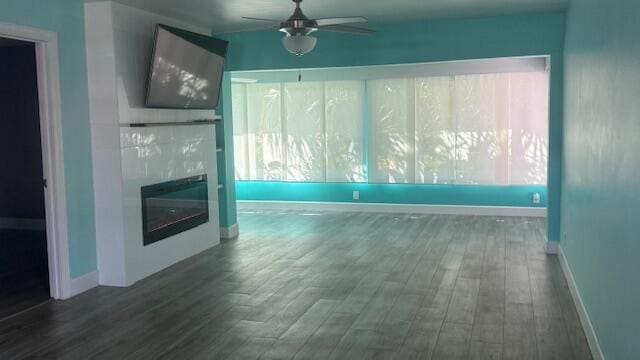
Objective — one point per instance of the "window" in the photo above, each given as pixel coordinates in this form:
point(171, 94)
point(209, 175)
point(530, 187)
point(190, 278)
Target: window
point(303, 131)
point(391, 130)
point(483, 129)
point(344, 129)
point(257, 132)
point(435, 133)
point(314, 133)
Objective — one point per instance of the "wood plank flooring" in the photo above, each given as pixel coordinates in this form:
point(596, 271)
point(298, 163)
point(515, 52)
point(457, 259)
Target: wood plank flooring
point(329, 286)
point(24, 276)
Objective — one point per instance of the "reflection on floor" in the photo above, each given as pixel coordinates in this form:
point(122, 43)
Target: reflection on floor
point(24, 277)
point(329, 286)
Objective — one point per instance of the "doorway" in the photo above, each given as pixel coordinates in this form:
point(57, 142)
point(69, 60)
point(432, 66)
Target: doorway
point(24, 266)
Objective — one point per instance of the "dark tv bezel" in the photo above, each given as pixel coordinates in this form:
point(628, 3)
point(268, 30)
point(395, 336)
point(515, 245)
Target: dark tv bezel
point(153, 57)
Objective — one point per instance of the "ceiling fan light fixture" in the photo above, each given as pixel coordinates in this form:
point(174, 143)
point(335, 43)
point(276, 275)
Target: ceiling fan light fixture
point(298, 27)
point(299, 44)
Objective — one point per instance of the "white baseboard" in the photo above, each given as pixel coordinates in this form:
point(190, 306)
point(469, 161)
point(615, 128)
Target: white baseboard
point(229, 232)
point(23, 224)
point(551, 247)
point(84, 283)
point(248, 205)
point(592, 339)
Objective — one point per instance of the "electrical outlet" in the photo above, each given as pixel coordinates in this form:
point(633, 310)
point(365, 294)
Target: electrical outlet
point(356, 195)
point(536, 198)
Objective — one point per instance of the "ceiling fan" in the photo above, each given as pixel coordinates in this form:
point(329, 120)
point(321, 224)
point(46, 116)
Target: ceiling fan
point(298, 28)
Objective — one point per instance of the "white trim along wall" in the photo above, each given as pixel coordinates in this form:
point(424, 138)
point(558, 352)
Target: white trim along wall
point(230, 232)
point(84, 283)
point(589, 332)
point(249, 205)
point(46, 43)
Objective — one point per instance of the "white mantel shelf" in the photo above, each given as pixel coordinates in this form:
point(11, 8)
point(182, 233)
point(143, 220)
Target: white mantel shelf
point(173, 123)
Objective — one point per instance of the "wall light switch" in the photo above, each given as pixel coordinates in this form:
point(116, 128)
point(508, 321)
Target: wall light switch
point(536, 198)
point(356, 195)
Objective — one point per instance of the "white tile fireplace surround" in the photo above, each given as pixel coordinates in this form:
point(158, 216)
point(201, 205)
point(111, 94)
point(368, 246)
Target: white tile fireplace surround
point(154, 155)
point(119, 40)
point(148, 156)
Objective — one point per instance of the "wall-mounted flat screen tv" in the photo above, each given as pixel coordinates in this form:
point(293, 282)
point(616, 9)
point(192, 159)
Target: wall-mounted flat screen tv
point(186, 70)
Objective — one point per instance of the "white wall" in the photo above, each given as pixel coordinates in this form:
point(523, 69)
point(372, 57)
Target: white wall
point(119, 43)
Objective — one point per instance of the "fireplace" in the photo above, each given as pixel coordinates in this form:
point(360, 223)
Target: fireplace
point(173, 207)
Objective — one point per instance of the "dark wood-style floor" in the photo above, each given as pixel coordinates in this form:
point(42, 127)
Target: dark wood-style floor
point(329, 286)
point(24, 274)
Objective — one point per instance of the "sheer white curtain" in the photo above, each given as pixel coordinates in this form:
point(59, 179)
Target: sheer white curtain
point(483, 129)
point(391, 131)
point(435, 134)
point(300, 131)
point(529, 128)
point(303, 130)
point(240, 131)
point(264, 132)
point(481, 120)
point(344, 129)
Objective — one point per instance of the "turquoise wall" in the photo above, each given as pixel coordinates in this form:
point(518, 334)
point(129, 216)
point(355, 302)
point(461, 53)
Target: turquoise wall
point(226, 172)
point(392, 193)
point(66, 17)
point(600, 192)
point(425, 41)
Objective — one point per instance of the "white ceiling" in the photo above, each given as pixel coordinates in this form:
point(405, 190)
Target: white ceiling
point(226, 15)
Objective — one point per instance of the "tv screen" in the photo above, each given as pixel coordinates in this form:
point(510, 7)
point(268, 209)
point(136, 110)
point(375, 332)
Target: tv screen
point(186, 70)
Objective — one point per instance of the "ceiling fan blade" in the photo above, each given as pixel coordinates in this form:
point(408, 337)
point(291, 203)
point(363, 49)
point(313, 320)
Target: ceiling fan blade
point(346, 29)
point(253, 29)
point(260, 19)
point(341, 20)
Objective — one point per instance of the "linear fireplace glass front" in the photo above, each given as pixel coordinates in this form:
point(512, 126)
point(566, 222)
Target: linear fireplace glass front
point(173, 207)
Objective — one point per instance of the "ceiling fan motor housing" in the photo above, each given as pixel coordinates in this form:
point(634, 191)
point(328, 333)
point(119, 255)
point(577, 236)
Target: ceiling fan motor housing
point(298, 23)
